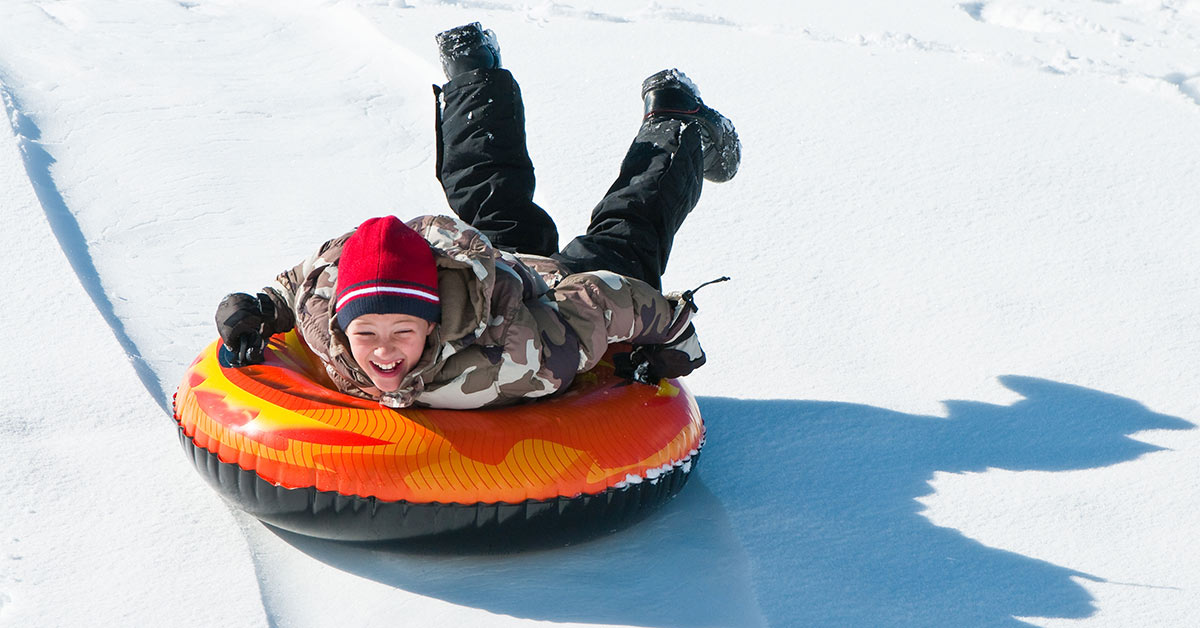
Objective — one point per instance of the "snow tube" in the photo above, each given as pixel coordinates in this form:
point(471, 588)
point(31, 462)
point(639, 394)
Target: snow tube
point(278, 441)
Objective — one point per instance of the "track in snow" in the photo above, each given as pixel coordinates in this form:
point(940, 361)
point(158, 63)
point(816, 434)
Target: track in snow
point(70, 237)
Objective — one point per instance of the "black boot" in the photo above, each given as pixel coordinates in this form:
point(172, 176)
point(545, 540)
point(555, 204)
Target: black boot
point(468, 48)
point(671, 94)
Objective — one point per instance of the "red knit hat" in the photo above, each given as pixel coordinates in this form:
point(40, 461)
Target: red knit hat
point(386, 268)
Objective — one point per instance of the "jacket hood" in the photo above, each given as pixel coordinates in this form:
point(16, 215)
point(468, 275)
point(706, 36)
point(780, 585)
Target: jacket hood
point(466, 268)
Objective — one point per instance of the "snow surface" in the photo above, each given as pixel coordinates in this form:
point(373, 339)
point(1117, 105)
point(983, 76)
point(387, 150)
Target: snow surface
point(953, 382)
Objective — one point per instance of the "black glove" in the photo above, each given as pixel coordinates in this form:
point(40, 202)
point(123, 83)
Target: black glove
point(650, 363)
point(244, 323)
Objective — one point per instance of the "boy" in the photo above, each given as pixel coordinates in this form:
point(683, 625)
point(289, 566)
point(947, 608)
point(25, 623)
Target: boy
point(485, 310)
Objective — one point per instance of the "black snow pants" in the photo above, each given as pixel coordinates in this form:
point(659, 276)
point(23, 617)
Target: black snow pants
point(485, 170)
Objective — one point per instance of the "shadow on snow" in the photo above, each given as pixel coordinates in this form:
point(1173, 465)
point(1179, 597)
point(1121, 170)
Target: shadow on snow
point(65, 226)
point(805, 515)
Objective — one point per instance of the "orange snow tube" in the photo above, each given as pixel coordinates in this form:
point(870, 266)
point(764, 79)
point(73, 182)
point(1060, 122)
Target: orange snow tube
point(280, 442)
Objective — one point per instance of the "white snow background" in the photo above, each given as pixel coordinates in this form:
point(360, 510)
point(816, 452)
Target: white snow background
point(953, 383)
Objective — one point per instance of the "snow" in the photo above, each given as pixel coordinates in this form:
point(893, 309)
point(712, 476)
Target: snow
point(952, 382)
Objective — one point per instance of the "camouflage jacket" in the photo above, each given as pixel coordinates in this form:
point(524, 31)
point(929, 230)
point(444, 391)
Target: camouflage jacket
point(513, 327)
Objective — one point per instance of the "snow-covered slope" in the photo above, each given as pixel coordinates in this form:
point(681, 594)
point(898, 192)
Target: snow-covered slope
point(952, 383)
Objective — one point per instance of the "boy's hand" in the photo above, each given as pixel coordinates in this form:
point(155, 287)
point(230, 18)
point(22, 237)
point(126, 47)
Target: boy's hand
point(243, 322)
point(650, 363)
point(247, 350)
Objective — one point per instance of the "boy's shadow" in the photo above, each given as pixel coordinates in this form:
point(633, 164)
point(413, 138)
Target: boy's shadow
point(806, 516)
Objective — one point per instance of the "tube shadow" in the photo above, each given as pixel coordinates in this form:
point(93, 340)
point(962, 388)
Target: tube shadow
point(680, 566)
point(806, 516)
point(823, 497)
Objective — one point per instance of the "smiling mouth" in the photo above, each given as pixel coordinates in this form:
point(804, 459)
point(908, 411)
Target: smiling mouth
point(389, 368)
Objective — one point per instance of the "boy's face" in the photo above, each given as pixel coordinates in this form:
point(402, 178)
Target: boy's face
point(387, 346)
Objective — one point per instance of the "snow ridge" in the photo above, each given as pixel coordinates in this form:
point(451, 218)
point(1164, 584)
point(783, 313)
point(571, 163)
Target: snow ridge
point(38, 163)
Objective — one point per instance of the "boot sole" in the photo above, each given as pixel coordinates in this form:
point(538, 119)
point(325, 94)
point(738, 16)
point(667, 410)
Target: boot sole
point(670, 93)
